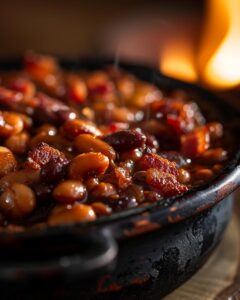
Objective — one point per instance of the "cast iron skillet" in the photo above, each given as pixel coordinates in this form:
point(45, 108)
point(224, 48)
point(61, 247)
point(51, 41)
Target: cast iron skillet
point(140, 253)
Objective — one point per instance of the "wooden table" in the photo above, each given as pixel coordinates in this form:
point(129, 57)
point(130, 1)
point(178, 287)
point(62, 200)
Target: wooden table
point(219, 278)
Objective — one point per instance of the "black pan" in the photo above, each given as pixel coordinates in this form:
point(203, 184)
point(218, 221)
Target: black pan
point(140, 253)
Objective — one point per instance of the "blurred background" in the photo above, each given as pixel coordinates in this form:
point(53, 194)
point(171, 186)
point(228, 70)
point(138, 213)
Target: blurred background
point(198, 41)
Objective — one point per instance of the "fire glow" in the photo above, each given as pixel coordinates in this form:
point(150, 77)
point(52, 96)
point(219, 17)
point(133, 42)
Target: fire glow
point(217, 63)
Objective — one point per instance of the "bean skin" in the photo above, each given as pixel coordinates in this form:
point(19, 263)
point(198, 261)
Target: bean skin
point(88, 143)
point(17, 201)
point(8, 162)
point(70, 191)
point(88, 164)
point(71, 214)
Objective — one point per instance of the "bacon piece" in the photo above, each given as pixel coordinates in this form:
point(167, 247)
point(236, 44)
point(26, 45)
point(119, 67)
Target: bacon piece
point(40, 66)
point(195, 143)
point(51, 110)
point(156, 161)
point(164, 183)
point(22, 85)
point(43, 154)
point(76, 89)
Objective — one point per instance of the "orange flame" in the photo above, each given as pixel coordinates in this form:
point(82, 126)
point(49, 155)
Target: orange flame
point(222, 68)
point(218, 61)
point(177, 59)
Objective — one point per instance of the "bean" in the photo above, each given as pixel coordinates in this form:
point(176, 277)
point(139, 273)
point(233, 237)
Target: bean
point(77, 89)
point(10, 123)
point(27, 121)
point(55, 141)
point(103, 190)
point(18, 143)
point(88, 143)
point(124, 201)
point(88, 164)
point(24, 176)
point(7, 161)
point(66, 214)
point(204, 174)
point(144, 95)
point(137, 192)
point(90, 183)
point(126, 86)
point(24, 86)
point(217, 168)
point(40, 66)
point(125, 140)
point(213, 156)
point(73, 128)
point(70, 191)
point(184, 176)
point(17, 201)
point(101, 209)
point(215, 130)
point(133, 155)
point(47, 129)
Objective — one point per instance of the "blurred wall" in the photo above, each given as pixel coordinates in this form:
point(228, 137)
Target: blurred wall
point(75, 28)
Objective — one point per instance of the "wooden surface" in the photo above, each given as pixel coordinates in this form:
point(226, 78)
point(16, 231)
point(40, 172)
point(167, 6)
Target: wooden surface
point(219, 278)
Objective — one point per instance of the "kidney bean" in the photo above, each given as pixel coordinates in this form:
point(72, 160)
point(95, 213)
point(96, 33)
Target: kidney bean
point(17, 201)
point(122, 202)
point(8, 162)
point(125, 140)
point(88, 143)
point(71, 214)
point(88, 164)
point(70, 191)
point(51, 110)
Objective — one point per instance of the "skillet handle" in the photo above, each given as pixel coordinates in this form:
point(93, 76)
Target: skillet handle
point(98, 255)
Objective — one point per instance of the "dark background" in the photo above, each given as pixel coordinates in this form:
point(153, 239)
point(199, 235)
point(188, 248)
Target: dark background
point(132, 29)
